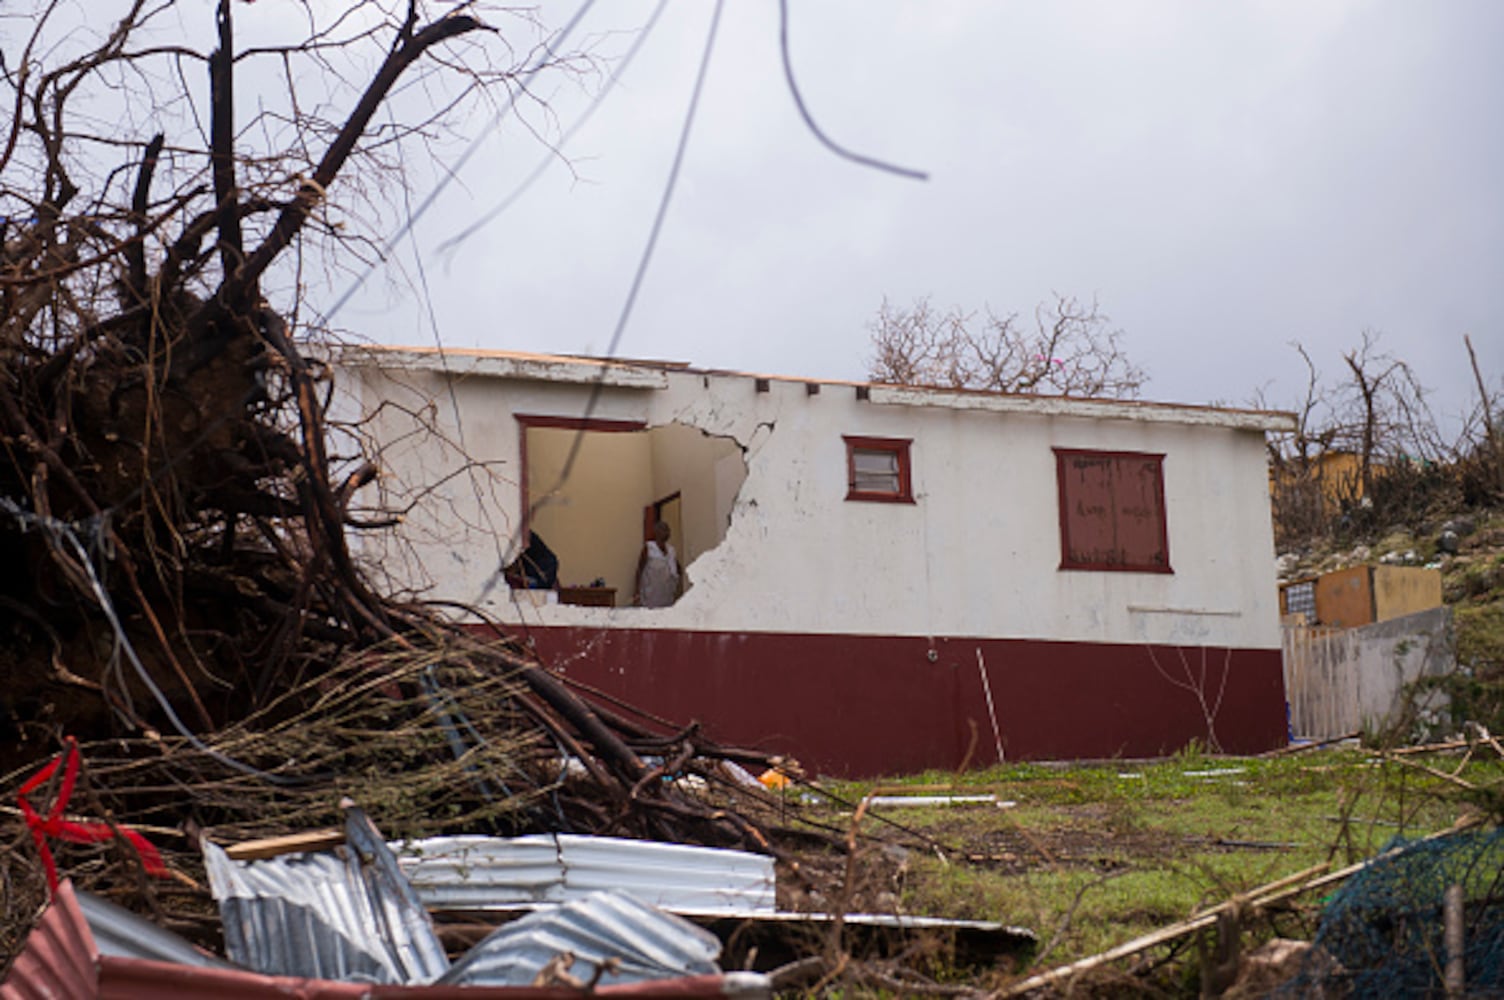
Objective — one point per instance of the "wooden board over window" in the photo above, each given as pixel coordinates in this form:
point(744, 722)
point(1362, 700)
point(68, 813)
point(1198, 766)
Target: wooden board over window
point(878, 469)
point(1112, 511)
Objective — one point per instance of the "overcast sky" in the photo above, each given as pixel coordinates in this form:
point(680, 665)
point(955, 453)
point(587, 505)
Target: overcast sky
point(1222, 177)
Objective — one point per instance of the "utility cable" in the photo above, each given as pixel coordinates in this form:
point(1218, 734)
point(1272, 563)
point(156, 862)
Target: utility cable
point(647, 251)
point(668, 191)
point(453, 172)
point(452, 244)
point(449, 382)
point(788, 73)
point(642, 267)
point(60, 532)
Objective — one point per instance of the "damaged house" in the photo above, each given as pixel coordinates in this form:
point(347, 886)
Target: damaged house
point(878, 578)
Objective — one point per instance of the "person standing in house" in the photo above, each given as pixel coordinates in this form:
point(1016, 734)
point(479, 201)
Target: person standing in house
point(659, 580)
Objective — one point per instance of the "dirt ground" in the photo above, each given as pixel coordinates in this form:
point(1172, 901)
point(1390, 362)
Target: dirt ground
point(1086, 839)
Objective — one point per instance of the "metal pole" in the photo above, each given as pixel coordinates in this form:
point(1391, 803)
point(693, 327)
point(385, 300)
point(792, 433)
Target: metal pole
point(1452, 909)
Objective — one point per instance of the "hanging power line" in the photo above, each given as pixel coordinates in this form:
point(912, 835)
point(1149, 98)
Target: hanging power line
point(663, 204)
point(453, 172)
point(497, 534)
point(668, 190)
point(637, 278)
point(788, 73)
point(451, 244)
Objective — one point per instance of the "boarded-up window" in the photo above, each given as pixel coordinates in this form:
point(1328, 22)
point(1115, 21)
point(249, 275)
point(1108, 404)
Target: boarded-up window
point(1112, 511)
point(878, 469)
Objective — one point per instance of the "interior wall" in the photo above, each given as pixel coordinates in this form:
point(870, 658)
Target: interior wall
point(594, 522)
point(694, 465)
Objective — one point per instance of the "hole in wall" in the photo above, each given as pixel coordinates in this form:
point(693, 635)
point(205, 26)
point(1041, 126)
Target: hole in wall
point(623, 481)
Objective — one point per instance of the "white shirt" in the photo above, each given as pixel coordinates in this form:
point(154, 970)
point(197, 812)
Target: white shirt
point(658, 586)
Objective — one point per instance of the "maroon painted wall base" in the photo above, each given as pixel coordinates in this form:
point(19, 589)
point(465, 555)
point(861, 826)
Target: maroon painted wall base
point(864, 705)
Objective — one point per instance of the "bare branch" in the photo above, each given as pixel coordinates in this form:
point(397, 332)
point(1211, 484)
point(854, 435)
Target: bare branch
point(311, 192)
point(222, 145)
point(1073, 351)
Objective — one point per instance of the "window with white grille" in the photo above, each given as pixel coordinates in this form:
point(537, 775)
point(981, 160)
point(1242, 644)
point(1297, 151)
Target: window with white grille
point(878, 469)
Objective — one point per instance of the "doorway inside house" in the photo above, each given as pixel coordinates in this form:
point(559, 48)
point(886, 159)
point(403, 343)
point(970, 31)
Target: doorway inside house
point(668, 510)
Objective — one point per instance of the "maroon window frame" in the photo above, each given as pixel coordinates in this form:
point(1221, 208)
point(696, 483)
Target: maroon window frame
point(898, 447)
point(1112, 511)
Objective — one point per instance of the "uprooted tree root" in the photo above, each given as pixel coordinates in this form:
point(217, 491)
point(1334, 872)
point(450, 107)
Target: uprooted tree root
point(183, 597)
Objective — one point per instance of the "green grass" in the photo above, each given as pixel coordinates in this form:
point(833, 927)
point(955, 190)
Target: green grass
point(1107, 852)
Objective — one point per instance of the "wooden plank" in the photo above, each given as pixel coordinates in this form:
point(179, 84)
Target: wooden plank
point(270, 847)
point(1321, 681)
point(1274, 892)
point(1262, 896)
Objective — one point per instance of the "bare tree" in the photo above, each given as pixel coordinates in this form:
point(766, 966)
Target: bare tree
point(175, 521)
point(1382, 411)
point(165, 445)
point(1366, 451)
point(1071, 350)
point(1489, 453)
point(1302, 491)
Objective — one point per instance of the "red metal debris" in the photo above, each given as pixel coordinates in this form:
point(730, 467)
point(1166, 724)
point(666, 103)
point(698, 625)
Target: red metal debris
point(54, 825)
point(62, 961)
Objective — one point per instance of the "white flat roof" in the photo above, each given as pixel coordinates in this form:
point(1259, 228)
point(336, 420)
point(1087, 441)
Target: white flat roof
point(643, 374)
point(1101, 409)
point(508, 364)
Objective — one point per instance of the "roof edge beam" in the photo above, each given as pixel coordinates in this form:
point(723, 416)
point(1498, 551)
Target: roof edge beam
point(528, 369)
point(1096, 409)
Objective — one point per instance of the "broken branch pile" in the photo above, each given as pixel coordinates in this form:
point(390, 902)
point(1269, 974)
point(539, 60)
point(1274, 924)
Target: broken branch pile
point(183, 598)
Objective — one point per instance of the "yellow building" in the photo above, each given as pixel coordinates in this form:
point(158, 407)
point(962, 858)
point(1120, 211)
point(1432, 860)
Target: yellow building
point(1361, 595)
point(1337, 474)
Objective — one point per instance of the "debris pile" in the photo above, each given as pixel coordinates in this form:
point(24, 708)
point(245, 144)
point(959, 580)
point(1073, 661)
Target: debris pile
point(322, 912)
point(319, 922)
point(457, 740)
point(185, 617)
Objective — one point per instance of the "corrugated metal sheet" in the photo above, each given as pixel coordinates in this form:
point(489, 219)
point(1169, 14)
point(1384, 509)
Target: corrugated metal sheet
point(478, 873)
point(57, 960)
point(120, 933)
point(63, 954)
point(646, 942)
point(126, 979)
point(62, 960)
point(347, 914)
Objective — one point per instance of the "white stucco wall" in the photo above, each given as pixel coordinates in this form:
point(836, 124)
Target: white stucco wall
point(977, 554)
